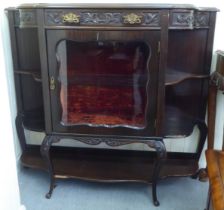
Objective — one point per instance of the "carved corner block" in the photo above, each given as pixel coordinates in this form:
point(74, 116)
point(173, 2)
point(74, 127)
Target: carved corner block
point(182, 19)
point(26, 18)
point(201, 19)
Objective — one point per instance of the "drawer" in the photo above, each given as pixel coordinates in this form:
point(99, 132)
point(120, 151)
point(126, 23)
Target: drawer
point(74, 17)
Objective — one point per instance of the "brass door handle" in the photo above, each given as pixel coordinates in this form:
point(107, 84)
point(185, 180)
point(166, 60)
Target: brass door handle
point(132, 18)
point(70, 18)
point(52, 83)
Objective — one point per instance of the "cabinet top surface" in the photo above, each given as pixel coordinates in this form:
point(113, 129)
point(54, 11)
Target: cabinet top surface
point(118, 6)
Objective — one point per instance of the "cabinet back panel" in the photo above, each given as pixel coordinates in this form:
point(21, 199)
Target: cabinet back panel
point(186, 50)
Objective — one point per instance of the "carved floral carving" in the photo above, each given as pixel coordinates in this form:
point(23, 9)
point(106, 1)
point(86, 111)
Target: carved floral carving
point(101, 18)
point(201, 19)
point(152, 19)
point(27, 17)
point(183, 19)
point(56, 17)
point(158, 145)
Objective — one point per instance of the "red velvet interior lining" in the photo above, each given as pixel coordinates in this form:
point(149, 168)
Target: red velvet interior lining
point(102, 105)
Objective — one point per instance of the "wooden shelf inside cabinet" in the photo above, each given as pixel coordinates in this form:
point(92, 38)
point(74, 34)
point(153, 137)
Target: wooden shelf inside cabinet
point(35, 74)
point(33, 120)
point(174, 77)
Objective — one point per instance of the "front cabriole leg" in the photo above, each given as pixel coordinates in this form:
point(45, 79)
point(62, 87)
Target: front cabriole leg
point(45, 152)
point(161, 154)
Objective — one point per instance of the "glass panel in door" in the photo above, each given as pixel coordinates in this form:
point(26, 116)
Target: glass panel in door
point(103, 83)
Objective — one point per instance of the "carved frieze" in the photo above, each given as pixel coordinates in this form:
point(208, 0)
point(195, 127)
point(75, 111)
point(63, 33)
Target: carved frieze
point(101, 18)
point(158, 145)
point(182, 19)
point(55, 17)
point(201, 19)
point(178, 19)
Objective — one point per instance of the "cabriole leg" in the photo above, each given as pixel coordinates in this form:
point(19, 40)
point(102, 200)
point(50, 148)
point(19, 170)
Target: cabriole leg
point(161, 154)
point(45, 152)
point(154, 182)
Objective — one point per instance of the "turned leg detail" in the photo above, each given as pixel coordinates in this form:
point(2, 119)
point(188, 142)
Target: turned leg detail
point(45, 152)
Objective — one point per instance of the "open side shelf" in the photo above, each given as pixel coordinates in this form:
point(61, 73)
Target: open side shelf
point(177, 123)
point(33, 120)
point(35, 74)
point(174, 77)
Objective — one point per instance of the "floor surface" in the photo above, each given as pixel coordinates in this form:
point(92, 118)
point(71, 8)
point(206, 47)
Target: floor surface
point(173, 194)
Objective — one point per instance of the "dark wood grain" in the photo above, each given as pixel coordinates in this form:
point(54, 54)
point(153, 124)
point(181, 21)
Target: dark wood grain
point(163, 50)
point(28, 49)
point(44, 70)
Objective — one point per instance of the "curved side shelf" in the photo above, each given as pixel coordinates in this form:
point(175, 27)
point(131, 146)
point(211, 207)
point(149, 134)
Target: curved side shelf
point(173, 77)
point(177, 123)
point(35, 74)
point(33, 120)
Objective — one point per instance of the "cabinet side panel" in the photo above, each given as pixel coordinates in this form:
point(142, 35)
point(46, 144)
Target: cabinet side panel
point(28, 49)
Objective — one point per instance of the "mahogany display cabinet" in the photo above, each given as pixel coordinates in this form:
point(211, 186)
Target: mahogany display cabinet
point(113, 74)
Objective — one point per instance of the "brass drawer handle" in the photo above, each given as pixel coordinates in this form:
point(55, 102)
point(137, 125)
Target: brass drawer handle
point(132, 18)
point(70, 18)
point(52, 83)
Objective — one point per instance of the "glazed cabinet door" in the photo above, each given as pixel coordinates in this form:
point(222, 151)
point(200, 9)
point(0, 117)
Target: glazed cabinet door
point(103, 82)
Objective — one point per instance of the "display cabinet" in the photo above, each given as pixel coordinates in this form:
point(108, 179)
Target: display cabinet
point(113, 74)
